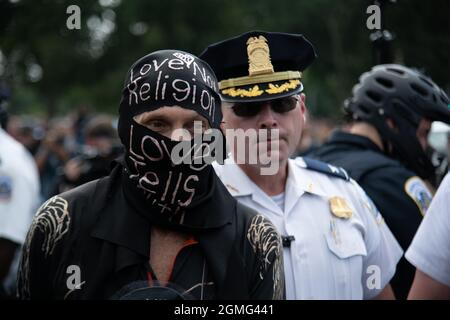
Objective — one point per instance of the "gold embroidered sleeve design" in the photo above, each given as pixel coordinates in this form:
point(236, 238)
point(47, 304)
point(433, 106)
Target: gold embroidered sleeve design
point(266, 243)
point(53, 220)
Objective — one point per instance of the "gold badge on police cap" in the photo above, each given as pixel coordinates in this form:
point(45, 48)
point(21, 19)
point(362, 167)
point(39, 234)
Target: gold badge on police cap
point(258, 56)
point(340, 208)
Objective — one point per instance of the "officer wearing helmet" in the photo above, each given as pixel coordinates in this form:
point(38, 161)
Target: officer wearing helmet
point(385, 149)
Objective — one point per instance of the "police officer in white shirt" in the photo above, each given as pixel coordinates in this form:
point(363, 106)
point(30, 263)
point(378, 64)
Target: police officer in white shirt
point(430, 250)
point(19, 199)
point(336, 245)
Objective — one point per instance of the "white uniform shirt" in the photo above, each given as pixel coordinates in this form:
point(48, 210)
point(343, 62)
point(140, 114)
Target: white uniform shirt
point(19, 194)
point(330, 258)
point(430, 249)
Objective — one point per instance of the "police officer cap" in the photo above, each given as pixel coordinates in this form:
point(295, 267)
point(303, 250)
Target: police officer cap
point(259, 65)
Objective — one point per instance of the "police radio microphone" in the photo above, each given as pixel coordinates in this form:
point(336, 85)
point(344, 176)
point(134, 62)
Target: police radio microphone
point(287, 240)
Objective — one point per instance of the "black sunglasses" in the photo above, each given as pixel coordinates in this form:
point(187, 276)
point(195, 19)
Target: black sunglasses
point(251, 109)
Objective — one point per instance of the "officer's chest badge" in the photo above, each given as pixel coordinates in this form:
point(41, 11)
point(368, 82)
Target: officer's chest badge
point(258, 56)
point(339, 208)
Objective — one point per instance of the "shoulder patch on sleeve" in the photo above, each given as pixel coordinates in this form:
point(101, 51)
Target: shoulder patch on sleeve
point(416, 189)
point(5, 188)
point(323, 167)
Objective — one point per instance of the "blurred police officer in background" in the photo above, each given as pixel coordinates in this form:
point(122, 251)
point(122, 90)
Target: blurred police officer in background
point(430, 250)
point(332, 234)
point(19, 198)
point(385, 148)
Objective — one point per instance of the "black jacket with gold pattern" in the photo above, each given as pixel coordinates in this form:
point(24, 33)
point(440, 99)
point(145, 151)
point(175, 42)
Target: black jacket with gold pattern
point(89, 244)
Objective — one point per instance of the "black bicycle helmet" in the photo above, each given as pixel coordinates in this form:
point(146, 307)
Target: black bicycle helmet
point(405, 96)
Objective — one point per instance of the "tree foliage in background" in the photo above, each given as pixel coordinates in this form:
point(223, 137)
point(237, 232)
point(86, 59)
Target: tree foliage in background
point(51, 69)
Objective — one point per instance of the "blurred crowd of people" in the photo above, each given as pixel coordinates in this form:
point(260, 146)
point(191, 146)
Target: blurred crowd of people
point(68, 150)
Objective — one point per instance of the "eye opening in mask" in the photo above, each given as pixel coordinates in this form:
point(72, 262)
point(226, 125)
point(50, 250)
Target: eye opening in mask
point(251, 109)
point(168, 121)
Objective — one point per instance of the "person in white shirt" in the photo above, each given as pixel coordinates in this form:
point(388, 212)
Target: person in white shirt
point(430, 250)
point(19, 199)
point(336, 245)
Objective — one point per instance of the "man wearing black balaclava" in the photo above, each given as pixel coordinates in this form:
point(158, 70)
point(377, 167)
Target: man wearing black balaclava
point(161, 225)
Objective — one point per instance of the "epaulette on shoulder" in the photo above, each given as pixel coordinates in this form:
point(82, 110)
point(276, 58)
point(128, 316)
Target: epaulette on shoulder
point(323, 167)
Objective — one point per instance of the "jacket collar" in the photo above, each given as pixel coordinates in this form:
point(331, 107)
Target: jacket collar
point(121, 226)
point(357, 141)
point(130, 231)
point(234, 179)
point(299, 182)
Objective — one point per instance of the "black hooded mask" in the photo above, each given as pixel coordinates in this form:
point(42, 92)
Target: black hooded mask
point(171, 192)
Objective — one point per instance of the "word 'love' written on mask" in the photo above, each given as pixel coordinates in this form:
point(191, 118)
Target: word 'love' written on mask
point(172, 186)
